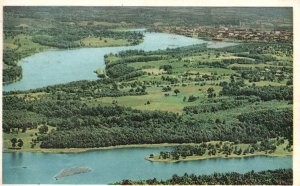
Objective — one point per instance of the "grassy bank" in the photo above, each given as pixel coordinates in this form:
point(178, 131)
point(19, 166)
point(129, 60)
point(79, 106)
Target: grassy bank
point(78, 150)
point(280, 151)
point(103, 42)
point(193, 158)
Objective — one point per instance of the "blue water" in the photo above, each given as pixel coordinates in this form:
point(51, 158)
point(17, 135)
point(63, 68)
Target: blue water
point(63, 66)
point(109, 166)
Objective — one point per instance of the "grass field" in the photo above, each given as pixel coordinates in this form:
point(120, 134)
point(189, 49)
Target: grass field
point(102, 42)
point(158, 100)
point(267, 83)
point(24, 45)
point(230, 115)
point(26, 137)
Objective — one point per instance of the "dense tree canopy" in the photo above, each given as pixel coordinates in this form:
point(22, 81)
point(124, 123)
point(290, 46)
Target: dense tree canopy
point(270, 177)
point(116, 125)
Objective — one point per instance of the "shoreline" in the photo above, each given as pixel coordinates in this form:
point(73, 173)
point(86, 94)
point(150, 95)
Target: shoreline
point(215, 157)
point(47, 49)
point(210, 44)
point(82, 150)
point(79, 150)
point(15, 80)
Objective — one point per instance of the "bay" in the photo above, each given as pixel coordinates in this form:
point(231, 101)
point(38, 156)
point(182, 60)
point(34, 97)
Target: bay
point(63, 66)
point(109, 166)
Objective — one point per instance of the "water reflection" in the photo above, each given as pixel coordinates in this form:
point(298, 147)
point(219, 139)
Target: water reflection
point(17, 159)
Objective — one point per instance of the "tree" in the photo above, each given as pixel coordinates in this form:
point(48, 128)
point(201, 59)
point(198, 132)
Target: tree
point(115, 86)
point(218, 120)
point(43, 129)
point(176, 91)
point(232, 80)
point(13, 141)
point(239, 151)
point(176, 156)
point(210, 92)
point(166, 89)
point(20, 143)
point(192, 98)
point(246, 151)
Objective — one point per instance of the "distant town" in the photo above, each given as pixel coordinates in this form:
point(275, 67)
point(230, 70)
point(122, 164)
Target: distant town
point(221, 33)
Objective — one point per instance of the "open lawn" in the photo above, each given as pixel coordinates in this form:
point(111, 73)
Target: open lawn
point(155, 71)
point(158, 100)
point(24, 45)
point(267, 83)
point(102, 42)
point(27, 138)
point(230, 115)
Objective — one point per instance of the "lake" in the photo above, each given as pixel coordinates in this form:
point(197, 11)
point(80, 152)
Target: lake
point(63, 66)
point(109, 166)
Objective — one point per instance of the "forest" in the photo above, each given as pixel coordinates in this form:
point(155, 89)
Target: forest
point(270, 177)
point(116, 125)
point(97, 112)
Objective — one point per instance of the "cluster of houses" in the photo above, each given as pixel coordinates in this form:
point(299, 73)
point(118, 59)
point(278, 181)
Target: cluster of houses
point(233, 33)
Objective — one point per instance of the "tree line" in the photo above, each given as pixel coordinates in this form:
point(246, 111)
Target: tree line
point(106, 87)
point(269, 177)
point(99, 126)
point(69, 36)
point(223, 104)
point(254, 49)
point(11, 73)
point(122, 72)
point(224, 148)
point(266, 93)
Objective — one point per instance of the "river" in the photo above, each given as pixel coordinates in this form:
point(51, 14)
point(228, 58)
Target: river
point(109, 166)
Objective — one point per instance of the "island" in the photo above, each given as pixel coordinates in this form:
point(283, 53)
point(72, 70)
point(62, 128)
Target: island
point(72, 171)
